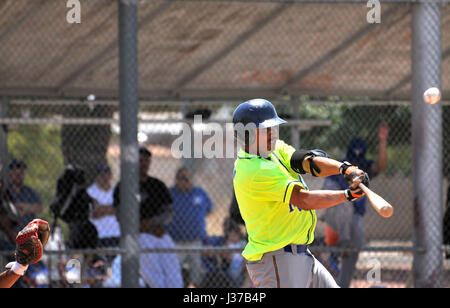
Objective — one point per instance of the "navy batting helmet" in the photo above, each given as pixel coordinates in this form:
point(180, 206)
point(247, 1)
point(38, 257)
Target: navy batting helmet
point(258, 113)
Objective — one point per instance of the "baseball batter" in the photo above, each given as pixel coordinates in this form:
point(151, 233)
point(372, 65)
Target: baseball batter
point(275, 203)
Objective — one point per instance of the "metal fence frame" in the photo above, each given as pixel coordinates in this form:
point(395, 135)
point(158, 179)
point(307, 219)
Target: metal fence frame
point(418, 250)
point(427, 124)
point(210, 251)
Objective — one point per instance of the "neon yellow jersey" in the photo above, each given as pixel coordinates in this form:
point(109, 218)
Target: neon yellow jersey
point(263, 188)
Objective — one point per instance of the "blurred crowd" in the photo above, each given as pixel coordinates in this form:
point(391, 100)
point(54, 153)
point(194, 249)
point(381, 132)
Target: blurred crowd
point(170, 217)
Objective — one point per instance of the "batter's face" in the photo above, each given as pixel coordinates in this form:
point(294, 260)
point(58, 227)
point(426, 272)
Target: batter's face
point(266, 139)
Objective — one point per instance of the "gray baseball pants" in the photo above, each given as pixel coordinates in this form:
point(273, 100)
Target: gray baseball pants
point(281, 269)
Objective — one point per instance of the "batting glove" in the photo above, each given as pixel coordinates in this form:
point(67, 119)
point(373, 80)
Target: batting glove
point(350, 172)
point(354, 192)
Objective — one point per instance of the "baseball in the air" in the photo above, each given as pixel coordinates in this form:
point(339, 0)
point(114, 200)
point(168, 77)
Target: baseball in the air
point(432, 95)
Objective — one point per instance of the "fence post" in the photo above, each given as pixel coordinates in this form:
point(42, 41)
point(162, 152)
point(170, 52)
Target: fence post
point(4, 104)
point(129, 158)
point(427, 144)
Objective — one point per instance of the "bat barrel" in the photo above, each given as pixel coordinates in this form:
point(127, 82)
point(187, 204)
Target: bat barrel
point(387, 211)
point(378, 203)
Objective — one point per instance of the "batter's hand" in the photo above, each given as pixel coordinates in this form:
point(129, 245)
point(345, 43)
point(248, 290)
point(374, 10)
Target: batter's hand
point(354, 192)
point(350, 172)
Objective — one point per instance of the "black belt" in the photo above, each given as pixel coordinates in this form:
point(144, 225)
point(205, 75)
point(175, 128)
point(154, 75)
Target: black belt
point(298, 248)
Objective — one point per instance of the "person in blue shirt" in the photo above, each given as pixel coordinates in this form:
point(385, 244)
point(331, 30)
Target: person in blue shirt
point(345, 225)
point(25, 199)
point(191, 206)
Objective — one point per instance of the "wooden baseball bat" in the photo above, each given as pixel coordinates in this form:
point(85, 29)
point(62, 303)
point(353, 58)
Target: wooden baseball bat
point(378, 203)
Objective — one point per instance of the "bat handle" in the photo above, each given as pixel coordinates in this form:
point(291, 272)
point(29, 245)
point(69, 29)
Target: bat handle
point(363, 187)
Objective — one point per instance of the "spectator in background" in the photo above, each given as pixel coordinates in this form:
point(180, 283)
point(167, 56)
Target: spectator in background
point(95, 273)
point(25, 199)
point(155, 199)
point(234, 212)
point(155, 213)
point(446, 223)
point(56, 263)
point(235, 267)
point(225, 270)
point(9, 220)
point(345, 229)
point(103, 215)
point(188, 228)
point(215, 265)
point(158, 270)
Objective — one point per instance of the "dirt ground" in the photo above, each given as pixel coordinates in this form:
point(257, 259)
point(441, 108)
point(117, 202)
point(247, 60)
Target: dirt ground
point(395, 269)
point(394, 274)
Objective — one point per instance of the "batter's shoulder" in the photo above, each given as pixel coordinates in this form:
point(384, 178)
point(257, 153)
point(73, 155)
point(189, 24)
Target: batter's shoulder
point(283, 147)
point(280, 144)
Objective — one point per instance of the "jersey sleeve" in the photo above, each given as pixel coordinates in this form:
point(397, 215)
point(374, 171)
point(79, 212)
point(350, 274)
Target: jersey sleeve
point(285, 151)
point(273, 185)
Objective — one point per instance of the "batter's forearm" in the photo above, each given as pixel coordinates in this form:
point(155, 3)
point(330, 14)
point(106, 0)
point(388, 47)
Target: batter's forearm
point(317, 199)
point(327, 166)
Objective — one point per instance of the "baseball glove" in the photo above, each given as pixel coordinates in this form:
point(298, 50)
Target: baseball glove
point(30, 242)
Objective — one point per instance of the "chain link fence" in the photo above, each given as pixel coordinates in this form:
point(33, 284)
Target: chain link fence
point(208, 205)
point(343, 84)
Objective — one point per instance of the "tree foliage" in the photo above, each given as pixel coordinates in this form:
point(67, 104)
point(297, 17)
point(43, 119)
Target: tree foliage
point(40, 148)
point(351, 121)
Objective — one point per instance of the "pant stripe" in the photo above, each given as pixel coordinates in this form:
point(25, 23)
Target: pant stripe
point(276, 271)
